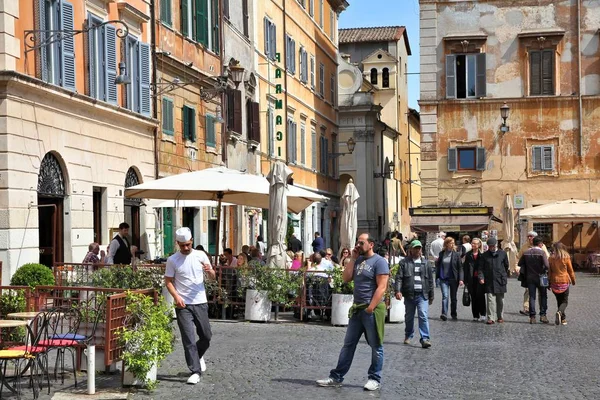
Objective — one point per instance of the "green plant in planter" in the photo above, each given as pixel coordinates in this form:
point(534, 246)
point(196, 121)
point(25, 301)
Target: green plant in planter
point(125, 277)
point(12, 301)
point(389, 293)
point(337, 279)
point(33, 275)
point(147, 337)
point(281, 286)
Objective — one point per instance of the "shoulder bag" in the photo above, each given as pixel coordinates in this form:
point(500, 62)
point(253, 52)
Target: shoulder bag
point(466, 300)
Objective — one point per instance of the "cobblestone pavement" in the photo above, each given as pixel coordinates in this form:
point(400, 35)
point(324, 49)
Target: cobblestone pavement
point(468, 360)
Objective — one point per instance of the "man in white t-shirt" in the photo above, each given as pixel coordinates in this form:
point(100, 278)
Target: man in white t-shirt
point(184, 278)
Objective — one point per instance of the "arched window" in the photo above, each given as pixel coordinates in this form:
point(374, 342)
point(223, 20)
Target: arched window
point(50, 179)
point(374, 76)
point(385, 77)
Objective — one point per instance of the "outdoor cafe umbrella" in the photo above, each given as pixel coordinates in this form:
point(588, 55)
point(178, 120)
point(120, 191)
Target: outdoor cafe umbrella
point(348, 224)
point(222, 185)
point(278, 178)
point(509, 232)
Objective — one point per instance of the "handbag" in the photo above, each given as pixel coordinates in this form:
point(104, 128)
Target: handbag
point(544, 280)
point(466, 297)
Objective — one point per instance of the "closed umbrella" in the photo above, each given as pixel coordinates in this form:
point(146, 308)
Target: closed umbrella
point(348, 224)
point(509, 232)
point(278, 178)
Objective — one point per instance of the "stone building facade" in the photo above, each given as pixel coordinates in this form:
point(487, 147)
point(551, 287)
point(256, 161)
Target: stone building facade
point(67, 130)
point(541, 59)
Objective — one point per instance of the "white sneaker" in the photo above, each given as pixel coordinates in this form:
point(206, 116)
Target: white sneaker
point(372, 385)
point(329, 382)
point(193, 379)
point(202, 365)
point(483, 318)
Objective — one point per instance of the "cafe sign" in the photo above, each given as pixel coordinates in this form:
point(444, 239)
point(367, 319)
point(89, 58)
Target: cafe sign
point(451, 211)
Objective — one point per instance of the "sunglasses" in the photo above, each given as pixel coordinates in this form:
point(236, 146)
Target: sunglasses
point(360, 243)
point(345, 251)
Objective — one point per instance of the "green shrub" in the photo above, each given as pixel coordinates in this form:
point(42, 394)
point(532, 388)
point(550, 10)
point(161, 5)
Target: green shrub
point(281, 286)
point(12, 301)
point(147, 337)
point(339, 286)
point(33, 275)
point(125, 277)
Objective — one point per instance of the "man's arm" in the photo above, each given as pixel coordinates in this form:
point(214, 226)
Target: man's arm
point(171, 288)
point(348, 274)
point(209, 272)
point(546, 264)
point(382, 283)
point(431, 284)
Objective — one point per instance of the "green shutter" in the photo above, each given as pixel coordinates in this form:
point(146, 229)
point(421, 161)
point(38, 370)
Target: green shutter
point(167, 116)
point(192, 124)
point(216, 36)
point(167, 231)
point(186, 123)
point(165, 12)
point(184, 17)
point(202, 21)
point(211, 139)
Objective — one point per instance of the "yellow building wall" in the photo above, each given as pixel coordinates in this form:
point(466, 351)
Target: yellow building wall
point(299, 100)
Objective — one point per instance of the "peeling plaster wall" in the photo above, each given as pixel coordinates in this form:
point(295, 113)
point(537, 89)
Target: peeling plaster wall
point(533, 120)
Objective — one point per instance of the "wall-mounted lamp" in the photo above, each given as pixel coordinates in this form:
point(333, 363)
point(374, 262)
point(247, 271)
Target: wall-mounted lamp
point(122, 78)
point(388, 171)
point(351, 143)
point(504, 113)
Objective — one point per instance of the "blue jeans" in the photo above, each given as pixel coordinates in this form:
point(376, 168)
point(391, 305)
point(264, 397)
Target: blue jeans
point(533, 288)
point(449, 287)
point(420, 304)
point(361, 322)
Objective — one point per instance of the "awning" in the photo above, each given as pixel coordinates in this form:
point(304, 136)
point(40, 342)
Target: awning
point(449, 223)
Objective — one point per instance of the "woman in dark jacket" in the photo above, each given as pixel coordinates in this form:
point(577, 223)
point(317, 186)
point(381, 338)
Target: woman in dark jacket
point(449, 271)
point(476, 289)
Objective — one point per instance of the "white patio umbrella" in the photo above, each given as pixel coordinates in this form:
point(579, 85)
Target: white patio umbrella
point(348, 223)
point(563, 211)
point(222, 185)
point(184, 203)
point(278, 178)
point(509, 232)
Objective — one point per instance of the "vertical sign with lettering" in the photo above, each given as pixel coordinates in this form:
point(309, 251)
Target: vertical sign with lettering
point(278, 105)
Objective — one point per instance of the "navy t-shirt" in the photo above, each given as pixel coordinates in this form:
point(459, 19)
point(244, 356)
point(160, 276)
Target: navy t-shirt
point(365, 277)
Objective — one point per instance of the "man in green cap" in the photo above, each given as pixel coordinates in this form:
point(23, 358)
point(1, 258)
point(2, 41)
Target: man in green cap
point(414, 282)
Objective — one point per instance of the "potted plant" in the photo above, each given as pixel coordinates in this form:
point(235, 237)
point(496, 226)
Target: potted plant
point(397, 310)
point(265, 286)
point(34, 275)
point(342, 297)
point(147, 338)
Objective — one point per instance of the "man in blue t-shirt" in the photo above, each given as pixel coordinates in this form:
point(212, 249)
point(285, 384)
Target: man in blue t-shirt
point(370, 273)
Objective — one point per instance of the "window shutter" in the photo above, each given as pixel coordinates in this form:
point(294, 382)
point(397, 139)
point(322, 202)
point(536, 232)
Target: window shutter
point(267, 40)
point(42, 62)
point(246, 16)
point(480, 85)
point(548, 72)
point(288, 138)
point(163, 10)
point(186, 123)
point(303, 144)
point(167, 116)
point(295, 142)
point(287, 52)
point(537, 159)
point(301, 66)
point(92, 49)
point(68, 47)
point(237, 111)
point(202, 21)
point(305, 56)
point(451, 76)
point(313, 149)
point(273, 39)
point(293, 54)
point(216, 36)
point(535, 67)
point(144, 77)
point(255, 122)
point(548, 158)
point(184, 17)
point(452, 159)
point(110, 55)
point(312, 72)
point(226, 8)
point(211, 139)
point(192, 123)
point(480, 161)
point(326, 155)
point(311, 7)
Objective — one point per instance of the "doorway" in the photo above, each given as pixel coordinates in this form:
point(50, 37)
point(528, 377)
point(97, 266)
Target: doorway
point(51, 194)
point(212, 237)
point(132, 209)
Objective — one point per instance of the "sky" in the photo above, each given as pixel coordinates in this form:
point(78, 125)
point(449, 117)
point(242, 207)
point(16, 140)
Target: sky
point(368, 13)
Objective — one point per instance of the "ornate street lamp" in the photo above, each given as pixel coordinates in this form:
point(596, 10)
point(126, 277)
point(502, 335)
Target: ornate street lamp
point(351, 145)
point(504, 113)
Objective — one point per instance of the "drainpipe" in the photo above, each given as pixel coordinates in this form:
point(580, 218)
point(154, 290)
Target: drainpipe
point(409, 164)
point(383, 184)
point(154, 72)
point(222, 96)
point(579, 80)
point(285, 80)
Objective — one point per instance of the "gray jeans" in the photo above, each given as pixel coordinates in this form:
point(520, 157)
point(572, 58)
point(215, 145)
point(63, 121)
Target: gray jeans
point(495, 306)
point(192, 320)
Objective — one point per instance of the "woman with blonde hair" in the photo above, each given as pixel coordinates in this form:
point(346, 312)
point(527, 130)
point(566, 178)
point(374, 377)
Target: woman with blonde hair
point(298, 260)
point(561, 276)
point(449, 271)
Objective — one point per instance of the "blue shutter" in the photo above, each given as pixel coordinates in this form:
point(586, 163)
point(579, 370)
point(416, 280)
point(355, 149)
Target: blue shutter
point(273, 40)
point(267, 41)
point(480, 162)
point(144, 78)
point(68, 47)
point(110, 57)
point(92, 45)
point(42, 64)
